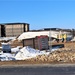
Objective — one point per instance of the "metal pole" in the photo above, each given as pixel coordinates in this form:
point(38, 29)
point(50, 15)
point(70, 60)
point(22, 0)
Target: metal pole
point(12, 31)
point(50, 45)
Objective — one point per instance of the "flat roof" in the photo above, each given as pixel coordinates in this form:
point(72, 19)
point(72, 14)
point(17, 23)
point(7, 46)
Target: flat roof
point(52, 29)
point(12, 23)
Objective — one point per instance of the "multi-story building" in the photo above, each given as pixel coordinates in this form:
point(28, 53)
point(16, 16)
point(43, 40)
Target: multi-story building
point(13, 29)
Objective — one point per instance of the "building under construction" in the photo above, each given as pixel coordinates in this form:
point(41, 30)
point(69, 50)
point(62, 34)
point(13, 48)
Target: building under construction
point(13, 29)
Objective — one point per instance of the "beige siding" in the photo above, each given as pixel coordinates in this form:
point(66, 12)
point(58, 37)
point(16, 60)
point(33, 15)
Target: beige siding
point(14, 30)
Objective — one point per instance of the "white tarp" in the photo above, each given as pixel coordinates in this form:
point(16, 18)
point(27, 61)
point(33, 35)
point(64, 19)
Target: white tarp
point(28, 35)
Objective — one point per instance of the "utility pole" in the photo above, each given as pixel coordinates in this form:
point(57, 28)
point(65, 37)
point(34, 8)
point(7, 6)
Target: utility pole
point(50, 45)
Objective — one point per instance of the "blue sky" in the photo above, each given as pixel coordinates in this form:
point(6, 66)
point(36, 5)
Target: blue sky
point(39, 13)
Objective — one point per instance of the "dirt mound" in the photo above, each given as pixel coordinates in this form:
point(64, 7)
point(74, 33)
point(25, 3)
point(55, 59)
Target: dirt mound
point(61, 55)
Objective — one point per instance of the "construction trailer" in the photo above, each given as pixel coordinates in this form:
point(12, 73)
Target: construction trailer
point(39, 42)
point(13, 29)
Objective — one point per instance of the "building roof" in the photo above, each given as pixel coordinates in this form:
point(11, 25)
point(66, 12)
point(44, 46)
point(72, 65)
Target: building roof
point(57, 29)
point(53, 29)
point(12, 23)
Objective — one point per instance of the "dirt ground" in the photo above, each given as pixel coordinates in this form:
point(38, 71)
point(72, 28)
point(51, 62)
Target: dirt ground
point(62, 55)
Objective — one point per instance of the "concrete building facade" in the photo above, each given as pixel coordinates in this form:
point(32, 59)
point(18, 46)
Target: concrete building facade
point(13, 29)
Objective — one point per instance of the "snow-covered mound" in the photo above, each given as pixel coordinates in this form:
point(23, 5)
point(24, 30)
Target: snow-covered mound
point(28, 52)
point(15, 49)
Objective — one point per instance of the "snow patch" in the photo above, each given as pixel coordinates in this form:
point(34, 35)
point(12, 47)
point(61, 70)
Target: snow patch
point(28, 52)
point(6, 57)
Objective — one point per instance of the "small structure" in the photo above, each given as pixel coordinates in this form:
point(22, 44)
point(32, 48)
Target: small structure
point(39, 42)
point(6, 48)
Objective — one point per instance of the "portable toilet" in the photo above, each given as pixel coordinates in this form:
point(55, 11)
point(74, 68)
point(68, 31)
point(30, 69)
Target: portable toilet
point(6, 48)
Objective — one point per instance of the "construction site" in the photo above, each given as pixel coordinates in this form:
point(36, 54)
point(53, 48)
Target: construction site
point(51, 45)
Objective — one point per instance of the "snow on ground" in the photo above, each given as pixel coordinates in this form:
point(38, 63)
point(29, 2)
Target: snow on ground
point(22, 54)
point(7, 38)
point(15, 49)
point(28, 52)
point(6, 57)
point(55, 48)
